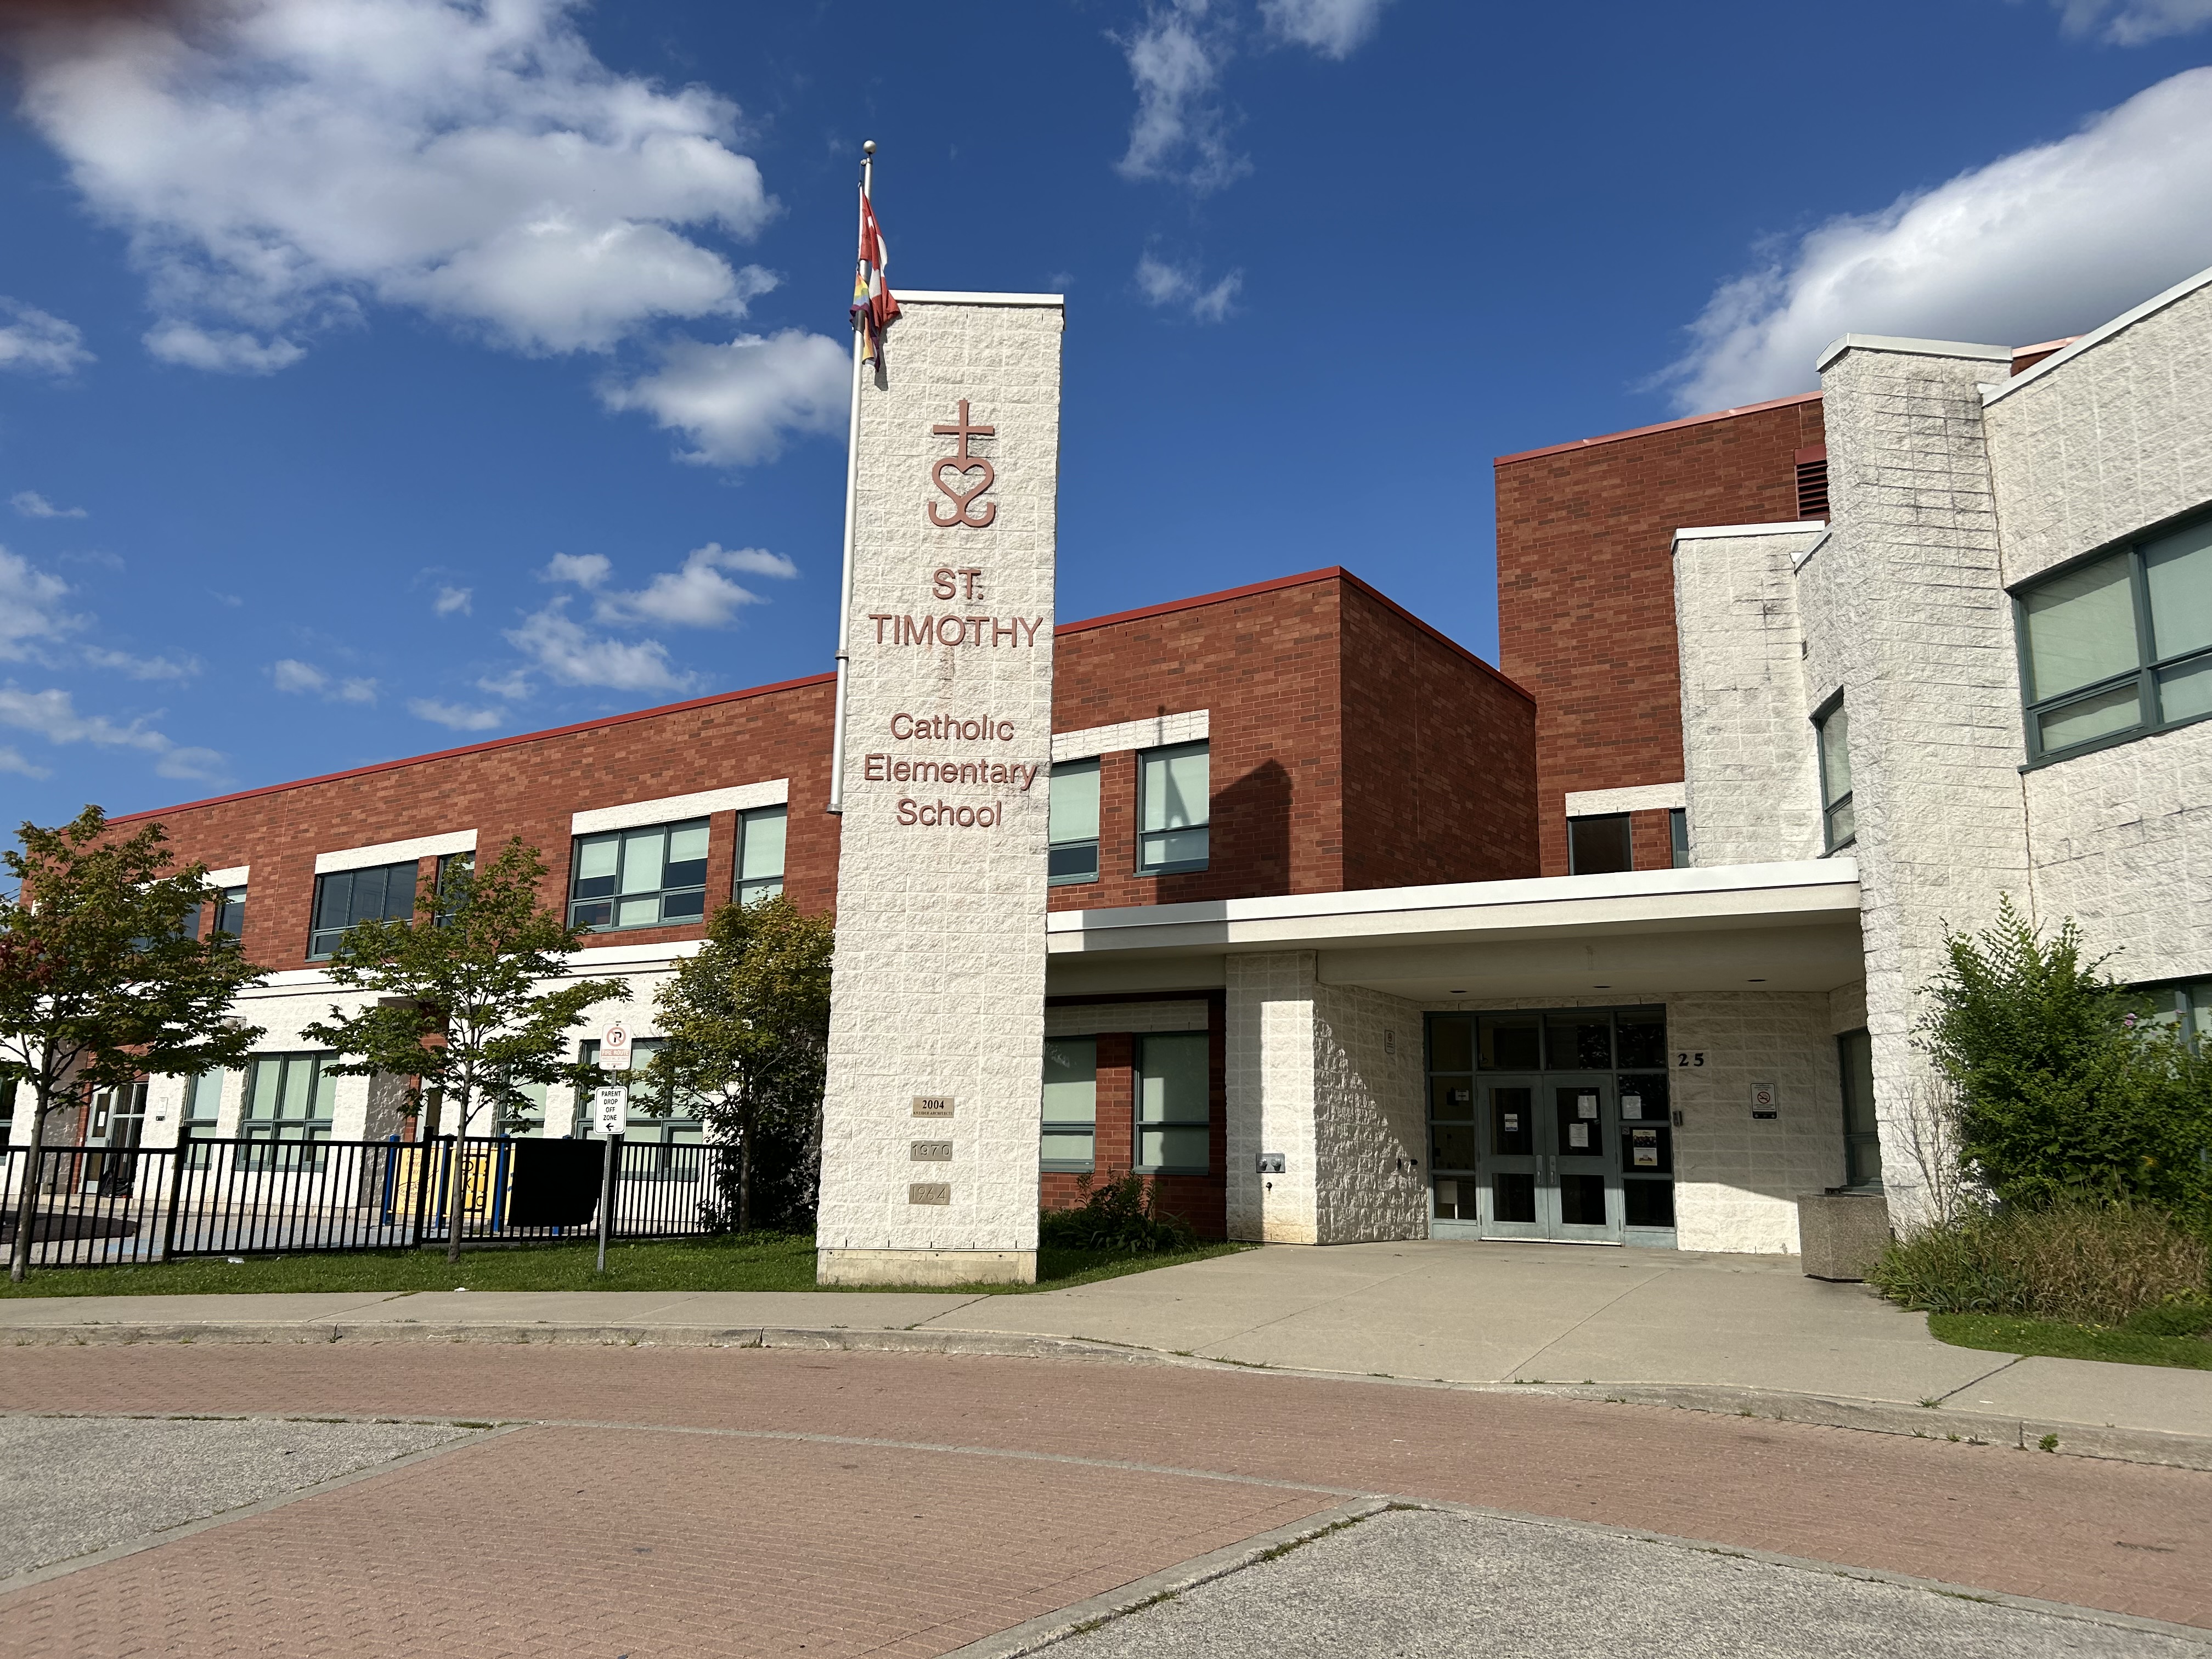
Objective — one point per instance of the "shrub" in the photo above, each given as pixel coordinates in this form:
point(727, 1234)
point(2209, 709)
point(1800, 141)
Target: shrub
point(1122, 1215)
point(2065, 1086)
point(2082, 1261)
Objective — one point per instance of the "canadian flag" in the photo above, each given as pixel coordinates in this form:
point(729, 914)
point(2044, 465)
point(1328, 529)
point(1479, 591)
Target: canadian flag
point(875, 308)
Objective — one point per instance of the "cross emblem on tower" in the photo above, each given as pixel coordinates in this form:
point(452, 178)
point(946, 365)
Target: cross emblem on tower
point(965, 466)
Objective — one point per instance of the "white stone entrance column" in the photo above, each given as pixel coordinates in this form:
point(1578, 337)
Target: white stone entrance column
point(929, 1155)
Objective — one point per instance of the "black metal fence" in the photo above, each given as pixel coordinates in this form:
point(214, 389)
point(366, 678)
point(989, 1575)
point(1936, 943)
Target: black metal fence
point(99, 1206)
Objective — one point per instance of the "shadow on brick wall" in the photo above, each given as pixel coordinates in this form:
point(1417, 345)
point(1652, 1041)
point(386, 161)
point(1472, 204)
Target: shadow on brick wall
point(1250, 843)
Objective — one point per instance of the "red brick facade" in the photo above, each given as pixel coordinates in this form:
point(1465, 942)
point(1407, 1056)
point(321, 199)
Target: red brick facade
point(1586, 590)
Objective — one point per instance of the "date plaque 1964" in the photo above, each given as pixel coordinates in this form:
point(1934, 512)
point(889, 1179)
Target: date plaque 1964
point(929, 1192)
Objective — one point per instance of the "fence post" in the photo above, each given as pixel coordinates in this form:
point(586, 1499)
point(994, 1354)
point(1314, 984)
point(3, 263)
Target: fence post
point(607, 1194)
point(182, 1155)
point(424, 1150)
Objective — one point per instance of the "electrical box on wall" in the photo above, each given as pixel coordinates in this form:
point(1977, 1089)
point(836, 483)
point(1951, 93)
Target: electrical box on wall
point(1272, 1164)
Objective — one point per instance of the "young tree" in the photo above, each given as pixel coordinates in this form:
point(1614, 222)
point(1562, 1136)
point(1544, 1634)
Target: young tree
point(746, 1024)
point(473, 1000)
point(2065, 1084)
point(100, 983)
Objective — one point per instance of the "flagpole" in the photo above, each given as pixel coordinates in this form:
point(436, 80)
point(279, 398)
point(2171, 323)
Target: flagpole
point(851, 500)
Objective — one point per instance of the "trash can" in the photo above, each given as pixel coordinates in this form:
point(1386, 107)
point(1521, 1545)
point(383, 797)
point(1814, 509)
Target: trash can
point(1841, 1233)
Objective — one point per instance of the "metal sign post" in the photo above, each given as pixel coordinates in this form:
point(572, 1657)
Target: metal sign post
point(612, 1108)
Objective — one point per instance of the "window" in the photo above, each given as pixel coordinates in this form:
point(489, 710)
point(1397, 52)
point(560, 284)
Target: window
point(2120, 646)
point(1174, 808)
point(1599, 847)
point(1071, 1104)
point(1861, 1141)
point(1677, 837)
point(289, 1101)
point(346, 898)
point(229, 914)
point(202, 1111)
point(7, 1111)
point(649, 877)
point(1812, 467)
point(1174, 1119)
point(2187, 1005)
point(1074, 823)
point(760, 852)
point(1832, 735)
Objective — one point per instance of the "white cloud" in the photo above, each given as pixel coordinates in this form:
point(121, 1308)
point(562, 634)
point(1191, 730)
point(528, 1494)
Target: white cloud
point(33, 505)
point(735, 402)
point(35, 340)
point(696, 595)
point(12, 759)
point(1164, 284)
point(1336, 28)
point(515, 686)
point(453, 601)
point(53, 716)
point(279, 163)
point(203, 765)
point(31, 613)
point(556, 643)
point(289, 674)
point(2132, 23)
point(1180, 131)
point(143, 668)
point(221, 351)
point(453, 715)
point(2048, 241)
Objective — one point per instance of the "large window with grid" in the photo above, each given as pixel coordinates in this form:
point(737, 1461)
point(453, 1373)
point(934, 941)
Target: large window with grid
point(229, 909)
point(2118, 645)
point(202, 1111)
point(1599, 846)
point(1071, 1104)
point(650, 878)
point(1174, 1118)
point(345, 898)
point(1175, 809)
point(760, 852)
point(289, 1101)
point(1073, 820)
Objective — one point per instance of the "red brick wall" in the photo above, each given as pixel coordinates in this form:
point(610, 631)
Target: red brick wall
point(1585, 588)
point(1265, 663)
point(529, 788)
point(1439, 763)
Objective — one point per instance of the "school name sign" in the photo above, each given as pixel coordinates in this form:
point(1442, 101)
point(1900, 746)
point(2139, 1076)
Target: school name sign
point(937, 1024)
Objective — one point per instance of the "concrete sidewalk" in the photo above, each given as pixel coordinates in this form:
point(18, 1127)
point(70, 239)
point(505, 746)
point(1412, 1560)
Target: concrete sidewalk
point(1715, 1332)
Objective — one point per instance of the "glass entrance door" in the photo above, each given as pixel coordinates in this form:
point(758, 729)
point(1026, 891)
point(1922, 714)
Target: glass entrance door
point(1551, 1125)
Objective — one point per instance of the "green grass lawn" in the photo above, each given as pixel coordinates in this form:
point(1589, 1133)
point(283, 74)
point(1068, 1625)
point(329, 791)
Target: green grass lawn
point(752, 1261)
point(2005, 1333)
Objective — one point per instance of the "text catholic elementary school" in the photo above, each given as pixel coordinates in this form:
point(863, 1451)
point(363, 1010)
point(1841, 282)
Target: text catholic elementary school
point(1335, 930)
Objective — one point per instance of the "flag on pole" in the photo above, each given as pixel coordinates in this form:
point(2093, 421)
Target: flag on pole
point(875, 308)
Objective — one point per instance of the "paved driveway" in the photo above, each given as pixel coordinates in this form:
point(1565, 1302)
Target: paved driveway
point(646, 1501)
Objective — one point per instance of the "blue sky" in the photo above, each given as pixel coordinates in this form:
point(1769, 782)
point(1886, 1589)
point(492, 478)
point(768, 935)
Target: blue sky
point(380, 375)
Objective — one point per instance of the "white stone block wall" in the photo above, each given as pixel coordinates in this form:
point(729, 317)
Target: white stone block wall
point(938, 987)
point(1751, 779)
point(1271, 1085)
point(1906, 615)
point(2088, 453)
point(2106, 442)
point(1370, 1123)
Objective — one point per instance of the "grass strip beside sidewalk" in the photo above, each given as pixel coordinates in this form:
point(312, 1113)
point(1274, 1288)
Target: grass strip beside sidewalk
point(752, 1261)
point(2007, 1333)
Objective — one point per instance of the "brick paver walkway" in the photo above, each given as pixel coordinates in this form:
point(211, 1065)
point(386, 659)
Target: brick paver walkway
point(606, 1530)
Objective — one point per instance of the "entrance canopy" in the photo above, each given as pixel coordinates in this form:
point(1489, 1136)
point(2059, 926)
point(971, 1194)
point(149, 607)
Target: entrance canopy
point(1736, 928)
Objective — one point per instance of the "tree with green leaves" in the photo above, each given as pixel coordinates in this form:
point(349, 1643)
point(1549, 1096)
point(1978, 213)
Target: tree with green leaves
point(473, 1001)
point(745, 1024)
point(101, 980)
point(2065, 1084)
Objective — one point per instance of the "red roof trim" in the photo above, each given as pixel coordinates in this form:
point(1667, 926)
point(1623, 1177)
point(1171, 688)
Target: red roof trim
point(1663, 426)
point(481, 748)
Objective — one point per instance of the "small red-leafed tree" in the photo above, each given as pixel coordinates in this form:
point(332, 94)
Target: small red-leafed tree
point(102, 980)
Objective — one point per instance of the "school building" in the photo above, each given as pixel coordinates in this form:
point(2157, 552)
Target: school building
point(1354, 936)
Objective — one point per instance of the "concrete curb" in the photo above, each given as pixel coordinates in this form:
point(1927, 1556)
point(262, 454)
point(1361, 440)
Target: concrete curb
point(1783, 1406)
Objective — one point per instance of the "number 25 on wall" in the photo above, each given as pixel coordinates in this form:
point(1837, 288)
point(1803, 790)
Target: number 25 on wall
point(1687, 1057)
